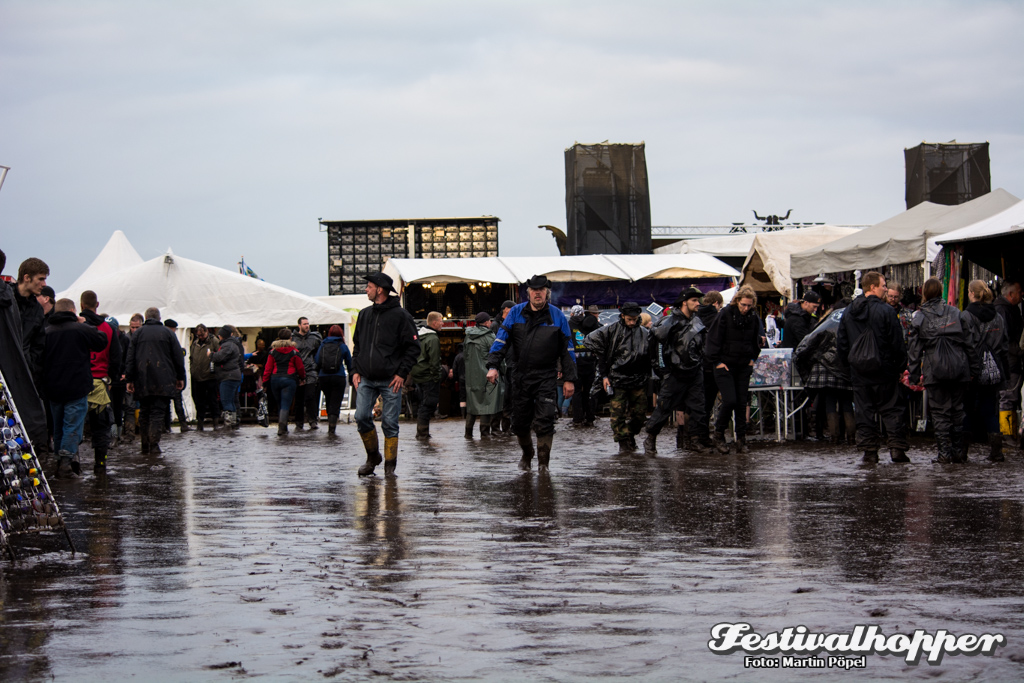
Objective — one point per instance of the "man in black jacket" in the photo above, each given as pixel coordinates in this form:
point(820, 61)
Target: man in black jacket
point(385, 347)
point(621, 353)
point(1008, 306)
point(876, 364)
point(32, 274)
point(711, 304)
point(799, 319)
point(15, 367)
point(67, 372)
point(586, 368)
point(536, 336)
point(677, 349)
point(155, 371)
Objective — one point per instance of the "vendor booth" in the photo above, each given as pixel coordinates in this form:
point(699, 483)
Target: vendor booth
point(767, 266)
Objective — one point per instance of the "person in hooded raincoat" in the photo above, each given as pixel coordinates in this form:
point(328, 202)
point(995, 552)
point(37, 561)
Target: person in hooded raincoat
point(483, 399)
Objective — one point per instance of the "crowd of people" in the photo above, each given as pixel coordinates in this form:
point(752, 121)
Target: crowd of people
point(862, 359)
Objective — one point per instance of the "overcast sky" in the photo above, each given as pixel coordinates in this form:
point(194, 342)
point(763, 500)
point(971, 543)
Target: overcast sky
point(227, 128)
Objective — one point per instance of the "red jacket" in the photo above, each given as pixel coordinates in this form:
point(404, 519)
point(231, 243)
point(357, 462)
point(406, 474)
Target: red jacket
point(284, 347)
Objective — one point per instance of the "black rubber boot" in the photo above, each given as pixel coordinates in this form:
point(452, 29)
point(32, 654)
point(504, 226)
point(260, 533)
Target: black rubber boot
point(995, 447)
point(470, 421)
point(372, 448)
point(649, 443)
point(100, 463)
point(898, 455)
point(332, 425)
point(282, 423)
point(850, 423)
point(720, 444)
point(870, 457)
point(626, 446)
point(485, 426)
point(544, 451)
point(526, 443)
point(155, 432)
point(832, 423)
point(741, 443)
point(423, 429)
point(682, 441)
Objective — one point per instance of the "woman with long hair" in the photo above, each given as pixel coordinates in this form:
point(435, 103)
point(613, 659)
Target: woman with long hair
point(731, 347)
point(988, 337)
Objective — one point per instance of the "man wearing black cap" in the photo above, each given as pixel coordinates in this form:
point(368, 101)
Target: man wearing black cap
point(621, 353)
point(536, 336)
point(385, 347)
point(799, 319)
point(677, 350)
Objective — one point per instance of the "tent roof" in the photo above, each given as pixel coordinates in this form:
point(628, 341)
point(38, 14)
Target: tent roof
point(118, 254)
point(192, 292)
point(516, 269)
point(736, 246)
point(767, 266)
point(900, 239)
point(1006, 221)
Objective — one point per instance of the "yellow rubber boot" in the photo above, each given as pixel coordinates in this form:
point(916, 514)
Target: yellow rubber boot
point(390, 455)
point(372, 447)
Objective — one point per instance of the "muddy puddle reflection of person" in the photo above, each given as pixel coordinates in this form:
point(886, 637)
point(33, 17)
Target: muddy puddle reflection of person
point(533, 496)
point(379, 518)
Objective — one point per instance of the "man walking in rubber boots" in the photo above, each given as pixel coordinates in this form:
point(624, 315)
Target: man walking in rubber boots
point(385, 348)
point(536, 336)
point(677, 350)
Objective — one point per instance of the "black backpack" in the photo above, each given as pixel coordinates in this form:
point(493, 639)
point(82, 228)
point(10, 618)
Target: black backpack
point(864, 356)
point(330, 358)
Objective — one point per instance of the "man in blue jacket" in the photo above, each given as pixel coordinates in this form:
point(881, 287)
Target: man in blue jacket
point(536, 336)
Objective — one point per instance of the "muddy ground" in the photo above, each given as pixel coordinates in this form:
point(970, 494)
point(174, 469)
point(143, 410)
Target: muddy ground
point(242, 555)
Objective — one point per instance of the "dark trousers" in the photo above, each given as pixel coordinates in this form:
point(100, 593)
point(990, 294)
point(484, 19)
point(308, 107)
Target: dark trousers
point(307, 403)
point(99, 424)
point(151, 416)
point(333, 388)
point(837, 400)
point(534, 405)
point(283, 388)
point(880, 399)
point(582, 403)
point(204, 395)
point(946, 409)
point(685, 393)
point(710, 394)
point(1009, 398)
point(427, 395)
point(982, 407)
point(179, 410)
point(734, 385)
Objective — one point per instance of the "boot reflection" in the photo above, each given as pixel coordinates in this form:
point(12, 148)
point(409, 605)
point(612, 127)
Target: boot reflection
point(379, 516)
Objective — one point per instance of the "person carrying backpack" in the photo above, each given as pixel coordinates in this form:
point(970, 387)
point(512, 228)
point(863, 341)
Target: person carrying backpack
point(942, 358)
point(870, 343)
point(988, 336)
point(335, 363)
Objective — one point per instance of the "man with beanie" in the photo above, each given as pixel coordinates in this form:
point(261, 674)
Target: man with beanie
point(155, 370)
point(620, 352)
point(536, 336)
point(106, 366)
point(385, 347)
point(426, 373)
point(68, 379)
point(677, 352)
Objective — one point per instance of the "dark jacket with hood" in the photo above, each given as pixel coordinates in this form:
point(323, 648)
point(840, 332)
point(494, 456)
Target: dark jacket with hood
point(798, 324)
point(344, 367)
point(307, 345)
point(872, 315)
point(105, 363)
point(200, 355)
point(428, 363)
point(816, 358)
point(734, 338)
point(18, 376)
point(228, 360)
point(537, 341)
point(155, 361)
point(987, 331)
point(284, 359)
point(1014, 327)
point(67, 369)
point(939, 345)
point(676, 344)
point(33, 336)
point(706, 313)
point(385, 343)
point(621, 354)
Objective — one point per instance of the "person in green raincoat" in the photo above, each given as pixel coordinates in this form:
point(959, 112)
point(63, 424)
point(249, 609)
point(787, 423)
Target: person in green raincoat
point(483, 399)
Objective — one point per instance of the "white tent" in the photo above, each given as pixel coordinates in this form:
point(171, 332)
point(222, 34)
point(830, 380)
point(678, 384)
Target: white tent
point(517, 269)
point(734, 246)
point(1006, 221)
point(767, 266)
point(900, 239)
point(117, 255)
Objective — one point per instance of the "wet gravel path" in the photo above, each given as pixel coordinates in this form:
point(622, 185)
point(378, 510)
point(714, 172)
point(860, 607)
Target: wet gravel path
point(239, 555)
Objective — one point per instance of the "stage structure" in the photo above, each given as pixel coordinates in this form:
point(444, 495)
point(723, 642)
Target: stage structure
point(947, 173)
point(355, 248)
point(607, 202)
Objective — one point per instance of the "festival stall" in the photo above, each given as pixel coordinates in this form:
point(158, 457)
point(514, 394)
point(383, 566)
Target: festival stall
point(767, 266)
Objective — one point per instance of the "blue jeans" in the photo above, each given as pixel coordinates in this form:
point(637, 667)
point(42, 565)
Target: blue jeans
point(68, 423)
point(284, 390)
point(229, 394)
point(366, 397)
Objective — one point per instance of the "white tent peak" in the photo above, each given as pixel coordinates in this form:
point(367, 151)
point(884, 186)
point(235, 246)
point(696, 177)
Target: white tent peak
point(118, 254)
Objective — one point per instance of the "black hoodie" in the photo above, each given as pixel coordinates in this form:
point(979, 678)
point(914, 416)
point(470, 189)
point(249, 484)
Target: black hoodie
point(67, 365)
point(872, 315)
point(987, 332)
point(385, 343)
